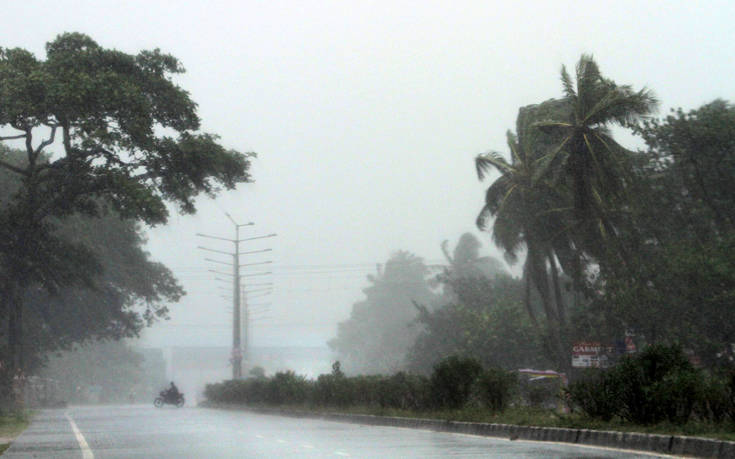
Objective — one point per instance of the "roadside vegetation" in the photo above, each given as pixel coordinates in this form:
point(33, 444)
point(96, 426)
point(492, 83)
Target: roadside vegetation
point(656, 391)
point(11, 425)
point(108, 140)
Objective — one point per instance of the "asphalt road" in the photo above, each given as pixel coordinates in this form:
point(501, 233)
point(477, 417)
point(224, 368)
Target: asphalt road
point(147, 432)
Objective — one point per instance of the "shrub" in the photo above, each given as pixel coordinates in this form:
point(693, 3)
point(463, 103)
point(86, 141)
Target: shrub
point(452, 381)
point(596, 394)
point(404, 392)
point(287, 388)
point(496, 386)
point(333, 389)
point(658, 384)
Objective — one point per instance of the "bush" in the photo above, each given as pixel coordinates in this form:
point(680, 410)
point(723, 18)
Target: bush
point(452, 381)
point(658, 384)
point(333, 389)
point(596, 394)
point(404, 392)
point(496, 387)
point(287, 388)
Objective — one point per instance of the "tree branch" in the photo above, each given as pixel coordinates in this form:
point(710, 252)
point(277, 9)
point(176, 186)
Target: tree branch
point(13, 137)
point(13, 168)
point(46, 142)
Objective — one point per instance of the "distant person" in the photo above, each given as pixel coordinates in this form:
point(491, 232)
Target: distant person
point(173, 391)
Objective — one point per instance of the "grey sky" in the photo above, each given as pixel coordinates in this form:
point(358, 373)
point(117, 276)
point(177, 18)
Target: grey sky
point(366, 117)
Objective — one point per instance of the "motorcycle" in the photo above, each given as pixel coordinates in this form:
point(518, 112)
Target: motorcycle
point(166, 398)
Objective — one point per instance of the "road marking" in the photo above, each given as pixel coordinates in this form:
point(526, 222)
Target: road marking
point(341, 453)
point(259, 436)
point(281, 441)
point(307, 446)
point(86, 452)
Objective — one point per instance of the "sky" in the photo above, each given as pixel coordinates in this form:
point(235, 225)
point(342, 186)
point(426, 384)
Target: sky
point(366, 118)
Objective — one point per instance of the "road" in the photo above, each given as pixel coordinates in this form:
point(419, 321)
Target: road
point(147, 432)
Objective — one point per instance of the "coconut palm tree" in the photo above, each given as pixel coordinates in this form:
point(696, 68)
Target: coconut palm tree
point(520, 207)
point(587, 158)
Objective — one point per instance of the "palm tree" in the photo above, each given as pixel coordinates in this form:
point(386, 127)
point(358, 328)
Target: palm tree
point(521, 220)
point(587, 157)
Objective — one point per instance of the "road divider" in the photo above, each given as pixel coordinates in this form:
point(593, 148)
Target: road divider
point(628, 441)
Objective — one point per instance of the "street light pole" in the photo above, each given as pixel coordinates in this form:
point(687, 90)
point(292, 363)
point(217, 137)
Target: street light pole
point(236, 277)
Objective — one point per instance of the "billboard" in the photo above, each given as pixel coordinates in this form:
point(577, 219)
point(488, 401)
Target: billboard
point(590, 354)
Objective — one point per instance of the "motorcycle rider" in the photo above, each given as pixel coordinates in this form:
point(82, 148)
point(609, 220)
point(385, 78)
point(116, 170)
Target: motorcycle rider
point(173, 392)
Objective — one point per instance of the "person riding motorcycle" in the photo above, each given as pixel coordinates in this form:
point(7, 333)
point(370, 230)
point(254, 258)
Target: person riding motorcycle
point(172, 393)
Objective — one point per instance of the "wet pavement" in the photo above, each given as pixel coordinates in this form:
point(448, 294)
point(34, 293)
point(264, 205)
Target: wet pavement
point(146, 432)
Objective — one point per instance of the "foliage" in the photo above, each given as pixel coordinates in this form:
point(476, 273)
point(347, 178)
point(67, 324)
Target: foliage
point(287, 387)
point(487, 322)
point(127, 292)
point(108, 108)
point(453, 380)
point(681, 232)
point(596, 394)
point(658, 384)
point(381, 329)
point(496, 388)
point(694, 152)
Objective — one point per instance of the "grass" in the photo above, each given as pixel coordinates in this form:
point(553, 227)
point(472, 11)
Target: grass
point(530, 416)
point(11, 426)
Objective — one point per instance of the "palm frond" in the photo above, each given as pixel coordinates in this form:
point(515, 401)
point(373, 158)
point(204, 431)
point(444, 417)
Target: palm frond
point(568, 84)
point(622, 106)
point(543, 165)
point(482, 218)
point(517, 154)
point(485, 162)
point(496, 192)
point(550, 125)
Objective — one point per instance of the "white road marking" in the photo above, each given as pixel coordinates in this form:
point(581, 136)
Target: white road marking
point(281, 441)
point(341, 453)
point(86, 452)
point(307, 446)
point(259, 436)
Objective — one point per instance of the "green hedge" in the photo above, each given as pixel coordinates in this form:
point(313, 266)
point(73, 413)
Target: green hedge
point(454, 383)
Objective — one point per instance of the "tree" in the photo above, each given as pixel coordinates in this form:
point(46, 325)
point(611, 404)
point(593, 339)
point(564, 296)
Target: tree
point(530, 213)
point(109, 109)
point(683, 212)
point(129, 291)
point(588, 159)
point(381, 328)
point(465, 262)
point(485, 322)
point(694, 153)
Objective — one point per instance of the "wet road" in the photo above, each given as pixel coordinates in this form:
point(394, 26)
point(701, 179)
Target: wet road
point(143, 431)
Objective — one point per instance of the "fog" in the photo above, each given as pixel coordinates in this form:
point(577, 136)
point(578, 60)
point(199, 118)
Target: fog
point(366, 118)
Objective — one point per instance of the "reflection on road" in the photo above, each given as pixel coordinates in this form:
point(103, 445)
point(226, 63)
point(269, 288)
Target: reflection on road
point(143, 431)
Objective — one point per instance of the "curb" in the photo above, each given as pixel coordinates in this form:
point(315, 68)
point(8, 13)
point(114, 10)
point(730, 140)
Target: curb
point(652, 443)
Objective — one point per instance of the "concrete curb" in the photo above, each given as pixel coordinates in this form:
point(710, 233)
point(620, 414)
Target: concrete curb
point(633, 441)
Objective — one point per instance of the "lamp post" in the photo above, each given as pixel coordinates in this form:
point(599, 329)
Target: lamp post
point(236, 358)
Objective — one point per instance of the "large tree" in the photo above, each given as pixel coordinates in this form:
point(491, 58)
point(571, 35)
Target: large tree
point(684, 209)
point(381, 328)
point(531, 214)
point(481, 315)
point(588, 159)
point(101, 129)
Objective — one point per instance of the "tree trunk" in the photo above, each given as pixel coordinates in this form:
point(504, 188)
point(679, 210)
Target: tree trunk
point(560, 307)
point(15, 326)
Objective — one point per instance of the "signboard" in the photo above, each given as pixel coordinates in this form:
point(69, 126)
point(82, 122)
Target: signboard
point(589, 354)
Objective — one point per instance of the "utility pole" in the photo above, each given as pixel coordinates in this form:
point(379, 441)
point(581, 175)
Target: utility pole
point(236, 358)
